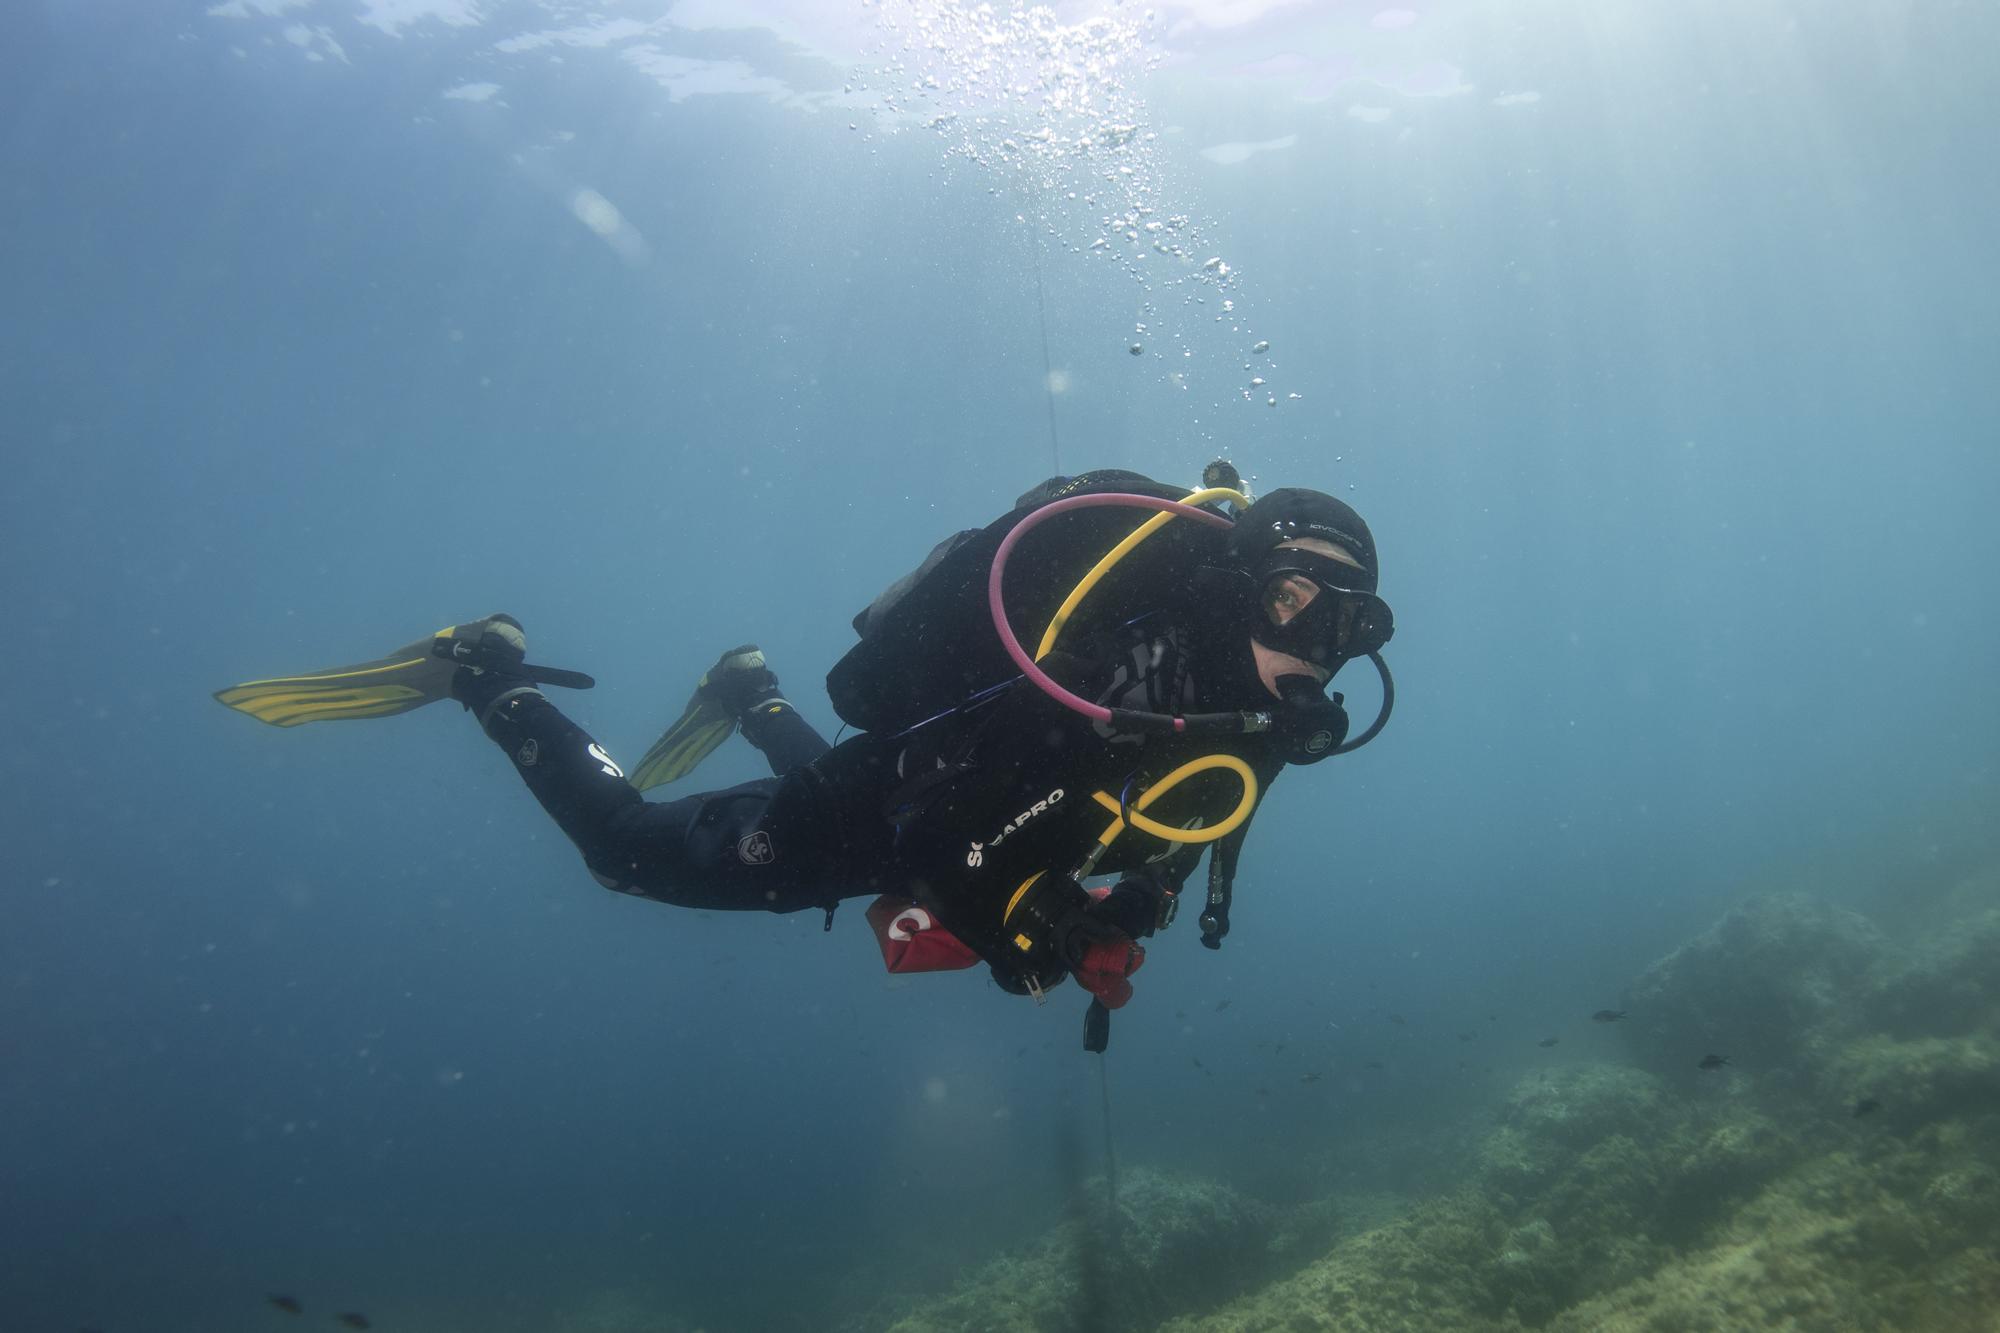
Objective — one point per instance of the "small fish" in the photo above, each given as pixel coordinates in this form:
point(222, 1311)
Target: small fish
point(1263, 1092)
point(1547, 1042)
point(1197, 1062)
point(1309, 1077)
point(289, 1304)
point(1373, 1064)
point(1607, 1015)
point(354, 1319)
point(1465, 1036)
point(1279, 1049)
point(1713, 1062)
point(1866, 1106)
point(1398, 1019)
point(1220, 1005)
point(1181, 1014)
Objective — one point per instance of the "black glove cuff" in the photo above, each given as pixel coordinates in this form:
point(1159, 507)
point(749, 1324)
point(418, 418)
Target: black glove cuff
point(1133, 905)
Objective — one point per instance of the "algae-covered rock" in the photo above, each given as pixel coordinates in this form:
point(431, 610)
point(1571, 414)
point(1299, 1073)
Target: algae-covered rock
point(1610, 1197)
point(1174, 1243)
point(1772, 985)
point(1431, 1269)
point(1896, 1238)
point(1552, 1115)
point(1911, 1082)
point(1167, 1223)
point(1574, 1106)
point(1949, 983)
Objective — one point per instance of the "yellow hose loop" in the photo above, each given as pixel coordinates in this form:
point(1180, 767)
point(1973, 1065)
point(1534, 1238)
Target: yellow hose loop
point(1167, 833)
point(1120, 551)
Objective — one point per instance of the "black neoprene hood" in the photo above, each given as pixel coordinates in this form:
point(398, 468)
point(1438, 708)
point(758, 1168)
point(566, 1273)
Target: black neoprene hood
point(1291, 513)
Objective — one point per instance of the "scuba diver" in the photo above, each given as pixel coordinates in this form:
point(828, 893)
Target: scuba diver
point(987, 783)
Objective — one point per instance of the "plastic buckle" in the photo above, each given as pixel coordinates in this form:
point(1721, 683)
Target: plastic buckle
point(1034, 984)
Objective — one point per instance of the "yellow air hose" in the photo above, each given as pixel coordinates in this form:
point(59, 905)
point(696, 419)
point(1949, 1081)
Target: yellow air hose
point(1120, 551)
point(1164, 832)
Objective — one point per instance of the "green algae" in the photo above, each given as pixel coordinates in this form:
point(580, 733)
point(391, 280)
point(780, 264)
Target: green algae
point(1173, 1242)
point(1642, 1195)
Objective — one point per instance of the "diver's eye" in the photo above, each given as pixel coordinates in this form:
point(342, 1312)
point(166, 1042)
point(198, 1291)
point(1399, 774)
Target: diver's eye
point(1285, 597)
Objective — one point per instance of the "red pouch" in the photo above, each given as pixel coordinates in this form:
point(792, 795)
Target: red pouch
point(913, 941)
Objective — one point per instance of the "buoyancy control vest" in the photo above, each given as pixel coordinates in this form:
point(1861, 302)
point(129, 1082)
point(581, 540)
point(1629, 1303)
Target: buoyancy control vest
point(980, 817)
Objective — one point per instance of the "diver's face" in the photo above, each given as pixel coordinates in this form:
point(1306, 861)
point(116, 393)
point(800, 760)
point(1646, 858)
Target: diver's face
point(1283, 599)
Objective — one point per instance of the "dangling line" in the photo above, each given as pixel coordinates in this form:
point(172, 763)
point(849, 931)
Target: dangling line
point(1048, 372)
point(1110, 1151)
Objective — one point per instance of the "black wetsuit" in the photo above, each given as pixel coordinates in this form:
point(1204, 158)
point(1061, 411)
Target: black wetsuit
point(956, 814)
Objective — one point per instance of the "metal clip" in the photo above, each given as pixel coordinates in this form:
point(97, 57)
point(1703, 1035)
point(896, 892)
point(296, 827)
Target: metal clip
point(1170, 903)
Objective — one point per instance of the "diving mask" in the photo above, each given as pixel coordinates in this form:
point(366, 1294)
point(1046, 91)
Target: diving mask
point(1317, 608)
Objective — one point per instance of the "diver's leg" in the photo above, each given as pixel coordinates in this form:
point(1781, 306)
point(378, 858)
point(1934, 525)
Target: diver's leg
point(788, 741)
point(738, 692)
point(743, 683)
point(764, 846)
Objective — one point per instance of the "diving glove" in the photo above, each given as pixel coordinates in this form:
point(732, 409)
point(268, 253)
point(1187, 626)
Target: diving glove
point(1106, 964)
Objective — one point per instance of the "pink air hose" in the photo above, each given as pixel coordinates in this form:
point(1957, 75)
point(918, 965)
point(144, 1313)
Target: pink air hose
point(994, 602)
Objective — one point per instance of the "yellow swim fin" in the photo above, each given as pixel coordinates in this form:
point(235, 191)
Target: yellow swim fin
point(708, 720)
point(414, 675)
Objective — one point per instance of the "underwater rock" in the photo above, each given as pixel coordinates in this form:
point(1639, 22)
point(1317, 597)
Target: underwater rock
point(1917, 1081)
point(1612, 1197)
point(1949, 983)
point(1175, 1243)
point(1775, 983)
point(1553, 1114)
point(1899, 1239)
point(1574, 1106)
point(1426, 1271)
point(1167, 1220)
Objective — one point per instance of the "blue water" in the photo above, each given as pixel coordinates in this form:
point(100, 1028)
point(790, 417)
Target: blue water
point(1667, 393)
